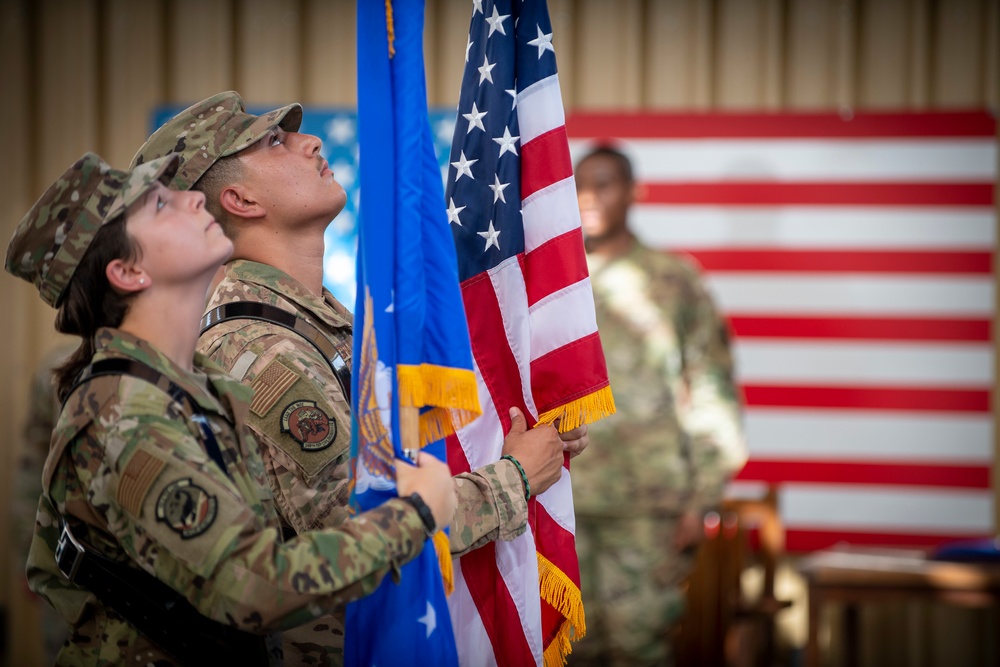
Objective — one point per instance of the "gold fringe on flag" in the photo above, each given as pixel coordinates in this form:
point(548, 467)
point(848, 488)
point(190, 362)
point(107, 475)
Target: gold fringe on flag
point(443, 549)
point(585, 410)
point(555, 587)
point(452, 393)
point(559, 591)
point(557, 650)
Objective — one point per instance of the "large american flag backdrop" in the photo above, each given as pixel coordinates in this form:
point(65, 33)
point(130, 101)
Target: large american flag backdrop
point(853, 255)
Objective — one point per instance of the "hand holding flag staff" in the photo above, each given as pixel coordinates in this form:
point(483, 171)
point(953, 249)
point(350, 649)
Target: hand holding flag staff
point(413, 382)
point(511, 202)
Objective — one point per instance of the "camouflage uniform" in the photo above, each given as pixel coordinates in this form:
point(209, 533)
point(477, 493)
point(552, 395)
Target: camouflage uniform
point(671, 447)
point(43, 408)
point(122, 451)
point(127, 466)
point(308, 471)
point(311, 485)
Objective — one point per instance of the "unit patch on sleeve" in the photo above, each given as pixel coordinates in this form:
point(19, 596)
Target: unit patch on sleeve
point(308, 425)
point(186, 508)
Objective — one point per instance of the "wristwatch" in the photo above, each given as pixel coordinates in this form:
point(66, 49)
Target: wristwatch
point(430, 525)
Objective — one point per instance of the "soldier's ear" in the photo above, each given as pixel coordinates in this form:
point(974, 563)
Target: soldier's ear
point(126, 277)
point(238, 201)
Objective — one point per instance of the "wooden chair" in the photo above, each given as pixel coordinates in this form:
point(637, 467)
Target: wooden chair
point(721, 627)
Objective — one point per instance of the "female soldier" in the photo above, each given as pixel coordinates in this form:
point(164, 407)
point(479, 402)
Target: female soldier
point(155, 537)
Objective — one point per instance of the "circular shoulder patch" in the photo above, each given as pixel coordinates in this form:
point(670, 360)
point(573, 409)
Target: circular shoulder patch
point(186, 508)
point(308, 425)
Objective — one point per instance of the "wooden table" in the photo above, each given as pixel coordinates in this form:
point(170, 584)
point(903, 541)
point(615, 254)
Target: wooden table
point(856, 576)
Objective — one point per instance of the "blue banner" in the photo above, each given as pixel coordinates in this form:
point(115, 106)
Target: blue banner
point(413, 379)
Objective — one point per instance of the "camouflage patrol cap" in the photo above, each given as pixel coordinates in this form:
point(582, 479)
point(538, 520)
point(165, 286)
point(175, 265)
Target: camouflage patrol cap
point(210, 130)
point(52, 238)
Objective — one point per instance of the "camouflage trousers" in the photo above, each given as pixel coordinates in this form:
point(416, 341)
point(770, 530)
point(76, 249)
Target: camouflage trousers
point(632, 585)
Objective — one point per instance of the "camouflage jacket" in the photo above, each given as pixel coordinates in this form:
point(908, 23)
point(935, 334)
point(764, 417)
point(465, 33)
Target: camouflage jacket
point(677, 436)
point(43, 408)
point(129, 466)
point(310, 482)
point(308, 468)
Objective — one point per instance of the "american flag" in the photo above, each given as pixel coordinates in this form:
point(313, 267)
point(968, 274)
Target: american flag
point(512, 205)
point(853, 254)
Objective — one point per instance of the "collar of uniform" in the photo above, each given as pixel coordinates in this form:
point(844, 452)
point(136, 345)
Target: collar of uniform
point(234, 395)
point(289, 288)
point(109, 343)
point(597, 263)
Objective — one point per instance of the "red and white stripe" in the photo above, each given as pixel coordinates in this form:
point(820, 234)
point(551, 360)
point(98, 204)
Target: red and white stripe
point(534, 340)
point(854, 259)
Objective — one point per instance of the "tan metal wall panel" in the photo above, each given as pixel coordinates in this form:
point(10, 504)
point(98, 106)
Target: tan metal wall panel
point(446, 35)
point(959, 53)
point(562, 17)
point(991, 57)
point(884, 57)
point(15, 299)
point(199, 52)
point(271, 75)
point(811, 63)
point(69, 80)
point(608, 54)
point(133, 59)
point(678, 53)
point(748, 44)
point(329, 74)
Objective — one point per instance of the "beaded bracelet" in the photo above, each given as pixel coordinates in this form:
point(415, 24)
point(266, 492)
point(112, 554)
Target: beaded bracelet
point(524, 476)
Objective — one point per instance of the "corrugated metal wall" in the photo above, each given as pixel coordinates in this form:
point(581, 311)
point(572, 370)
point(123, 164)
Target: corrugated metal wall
point(78, 75)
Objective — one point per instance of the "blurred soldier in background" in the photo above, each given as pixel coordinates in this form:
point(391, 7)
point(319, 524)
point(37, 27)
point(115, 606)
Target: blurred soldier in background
point(660, 463)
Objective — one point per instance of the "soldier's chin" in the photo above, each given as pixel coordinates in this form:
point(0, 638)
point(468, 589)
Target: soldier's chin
point(592, 226)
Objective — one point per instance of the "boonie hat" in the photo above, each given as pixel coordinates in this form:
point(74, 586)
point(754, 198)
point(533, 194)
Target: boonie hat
point(212, 129)
point(53, 236)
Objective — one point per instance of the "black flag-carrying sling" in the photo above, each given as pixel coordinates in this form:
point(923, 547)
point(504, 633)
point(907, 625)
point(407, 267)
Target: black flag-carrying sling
point(251, 310)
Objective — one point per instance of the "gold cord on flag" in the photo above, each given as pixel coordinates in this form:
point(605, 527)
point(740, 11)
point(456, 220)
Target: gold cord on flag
point(389, 28)
point(408, 425)
point(443, 549)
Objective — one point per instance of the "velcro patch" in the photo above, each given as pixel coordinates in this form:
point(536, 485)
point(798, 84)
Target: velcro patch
point(308, 425)
point(136, 480)
point(186, 508)
point(269, 386)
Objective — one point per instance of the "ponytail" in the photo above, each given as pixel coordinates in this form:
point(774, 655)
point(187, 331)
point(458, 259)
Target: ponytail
point(90, 302)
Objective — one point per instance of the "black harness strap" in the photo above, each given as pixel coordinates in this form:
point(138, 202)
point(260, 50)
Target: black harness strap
point(121, 366)
point(156, 610)
point(251, 310)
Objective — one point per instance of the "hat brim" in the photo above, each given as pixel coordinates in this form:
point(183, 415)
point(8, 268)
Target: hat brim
point(288, 118)
point(141, 180)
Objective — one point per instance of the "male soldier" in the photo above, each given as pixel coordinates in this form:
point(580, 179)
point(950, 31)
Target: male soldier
point(274, 195)
point(672, 445)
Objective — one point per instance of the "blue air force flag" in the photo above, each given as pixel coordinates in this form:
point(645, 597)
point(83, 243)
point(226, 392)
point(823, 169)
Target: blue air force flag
point(413, 378)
